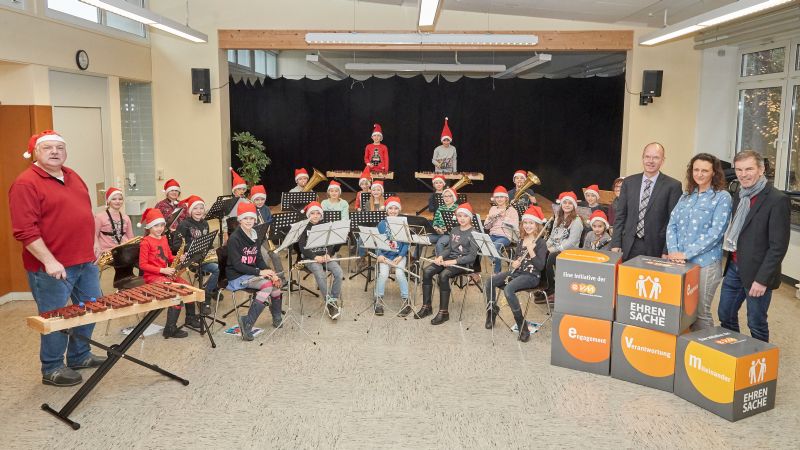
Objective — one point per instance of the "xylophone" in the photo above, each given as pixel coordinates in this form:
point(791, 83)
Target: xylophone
point(120, 304)
point(357, 174)
point(475, 176)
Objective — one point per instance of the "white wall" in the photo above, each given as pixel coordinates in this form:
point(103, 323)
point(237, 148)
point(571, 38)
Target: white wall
point(716, 114)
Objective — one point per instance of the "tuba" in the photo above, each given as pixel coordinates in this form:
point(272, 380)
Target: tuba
point(530, 181)
point(464, 181)
point(316, 178)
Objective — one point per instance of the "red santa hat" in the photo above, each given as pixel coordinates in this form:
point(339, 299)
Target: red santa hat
point(313, 206)
point(171, 185)
point(36, 139)
point(377, 183)
point(500, 191)
point(366, 174)
point(440, 178)
point(520, 173)
point(446, 132)
point(245, 210)
point(598, 216)
point(465, 208)
point(112, 191)
point(301, 172)
point(191, 201)
point(376, 129)
point(237, 182)
point(593, 189)
point(258, 191)
point(392, 201)
point(150, 218)
point(335, 185)
point(567, 197)
point(533, 213)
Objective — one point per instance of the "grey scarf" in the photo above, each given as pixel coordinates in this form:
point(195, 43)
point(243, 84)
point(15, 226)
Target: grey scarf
point(745, 194)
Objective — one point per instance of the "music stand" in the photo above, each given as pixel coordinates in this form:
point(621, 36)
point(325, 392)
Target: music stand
point(282, 224)
point(371, 219)
point(219, 210)
point(366, 195)
point(450, 221)
point(324, 235)
point(461, 198)
point(293, 200)
point(173, 216)
point(486, 248)
point(331, 216)
point(373, 239)
point(296, 230)
point(196, 253)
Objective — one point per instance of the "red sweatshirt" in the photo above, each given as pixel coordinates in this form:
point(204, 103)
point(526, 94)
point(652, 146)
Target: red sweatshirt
point(377, 153)
point(154, 255)
point(61, 214)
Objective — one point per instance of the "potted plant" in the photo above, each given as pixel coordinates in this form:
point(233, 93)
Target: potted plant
point(251, 154)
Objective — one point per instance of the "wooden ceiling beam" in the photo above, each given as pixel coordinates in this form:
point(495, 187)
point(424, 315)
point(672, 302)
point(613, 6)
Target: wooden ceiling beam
point(587, 40)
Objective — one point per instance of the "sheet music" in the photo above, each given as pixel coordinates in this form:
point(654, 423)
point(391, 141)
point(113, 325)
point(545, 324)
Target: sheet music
point(293, 235)
point(372, 238)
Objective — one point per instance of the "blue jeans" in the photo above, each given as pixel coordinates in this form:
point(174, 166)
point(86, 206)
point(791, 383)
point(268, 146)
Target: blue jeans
point(731, 297)
point(212, 269)
point(51, 294)
point(383, 275)
point(518, 283)
point(499, 243)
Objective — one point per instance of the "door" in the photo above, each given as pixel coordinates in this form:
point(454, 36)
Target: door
point(82, 128)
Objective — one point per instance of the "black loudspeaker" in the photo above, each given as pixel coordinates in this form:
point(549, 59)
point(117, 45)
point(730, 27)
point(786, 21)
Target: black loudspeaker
point(201, 84)
point(651, 82)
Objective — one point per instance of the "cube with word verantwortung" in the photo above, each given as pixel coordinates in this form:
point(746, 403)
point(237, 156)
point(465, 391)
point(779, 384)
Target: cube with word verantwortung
point(643, 356)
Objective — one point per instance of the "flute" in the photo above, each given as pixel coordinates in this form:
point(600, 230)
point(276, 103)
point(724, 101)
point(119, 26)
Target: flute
point(457, 267)
point(310, 261)
point(391, 264)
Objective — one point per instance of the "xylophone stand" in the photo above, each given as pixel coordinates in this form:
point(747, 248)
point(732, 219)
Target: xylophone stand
point(115, 353)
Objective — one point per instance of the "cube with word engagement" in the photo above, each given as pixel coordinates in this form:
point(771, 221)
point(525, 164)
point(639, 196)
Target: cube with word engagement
point(727, 373)
point(586, 283)
point(581, 343)
point(643, 356)
point(657, 294)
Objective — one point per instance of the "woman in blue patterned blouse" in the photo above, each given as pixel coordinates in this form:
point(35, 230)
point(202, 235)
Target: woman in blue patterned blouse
point(696, 227)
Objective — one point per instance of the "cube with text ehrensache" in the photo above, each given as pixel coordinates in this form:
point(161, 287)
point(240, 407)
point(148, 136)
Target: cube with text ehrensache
point(643, 356)
point(586, 283)
point(581, 343)
point(727, 373)
point(657, 294)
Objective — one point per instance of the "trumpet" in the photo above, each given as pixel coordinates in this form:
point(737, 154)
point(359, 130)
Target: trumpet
point(316, 178)
point(529, 181)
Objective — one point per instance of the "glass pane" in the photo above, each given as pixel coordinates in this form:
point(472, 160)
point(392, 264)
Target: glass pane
point(243, 57)
point(797, 57)
point(137, 138)
point(260, 57)
point(759, 122)
point(124, 24)
point(272, 65)
point(793, 178)
point(763, 62)
point(232, 56)
point(74, 8)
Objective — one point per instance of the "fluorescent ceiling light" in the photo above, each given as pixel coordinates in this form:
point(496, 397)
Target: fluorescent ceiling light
point(422, 39)
point(428, 9)
point(147, 17)
point(447, 68)
point(326, 66)
point(717, 16)
point(526, 65)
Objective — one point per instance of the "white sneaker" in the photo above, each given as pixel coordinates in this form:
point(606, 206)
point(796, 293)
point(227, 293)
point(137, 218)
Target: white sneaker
point(333, 309)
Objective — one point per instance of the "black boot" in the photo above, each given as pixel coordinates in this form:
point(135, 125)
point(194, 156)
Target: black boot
point(522, 325)
point(275, 309)
point(192, 320)
point(444, 301)
point(246, 322)
point(426, 309)
point(205, 307)
point(491, 316)
point(171, 327)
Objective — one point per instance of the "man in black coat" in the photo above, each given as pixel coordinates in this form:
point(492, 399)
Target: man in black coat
point(645, 202)
point(757, 239)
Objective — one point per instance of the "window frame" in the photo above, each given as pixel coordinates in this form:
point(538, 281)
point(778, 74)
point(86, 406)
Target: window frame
point(99, 26)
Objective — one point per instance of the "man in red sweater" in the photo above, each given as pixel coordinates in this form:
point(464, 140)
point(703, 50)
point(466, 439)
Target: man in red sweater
point(51, 215)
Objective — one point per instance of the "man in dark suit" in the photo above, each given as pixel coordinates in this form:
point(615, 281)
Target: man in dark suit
point(645, 202)
point(757, 239)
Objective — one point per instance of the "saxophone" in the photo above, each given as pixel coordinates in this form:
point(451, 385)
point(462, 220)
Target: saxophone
point(178, 258)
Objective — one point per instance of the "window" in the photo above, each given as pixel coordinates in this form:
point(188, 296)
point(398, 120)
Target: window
point(759, 121)
point(243, 58)
point(793, 176)
point(763, 62)
point(260, 59)
point(232, 56)
point(123, 23)
point(137, 138)
point(80, 10)
point(75, 8)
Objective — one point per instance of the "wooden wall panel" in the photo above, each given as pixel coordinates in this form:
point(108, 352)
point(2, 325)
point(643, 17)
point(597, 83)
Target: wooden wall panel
point(17, 124)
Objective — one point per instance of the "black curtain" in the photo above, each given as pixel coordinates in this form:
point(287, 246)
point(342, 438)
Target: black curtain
point(568, 131)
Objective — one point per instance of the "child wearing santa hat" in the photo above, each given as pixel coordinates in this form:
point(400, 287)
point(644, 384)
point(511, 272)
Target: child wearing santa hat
point(376, 198)
point(524, 272)
point(566, 233)
point(322, 262)
point(591, 195)
point(301, 178)
point(258, 195)
point(449, 206)
point(364, 182)
point(335, 202)
point(461, 250)
point(445, 156)
point(599, 238)
point(111, 227)
point(376, 155)
point(155, 258)
point(396, 257)
point(501, 220)
point(193, 227)
point(246, 269)
point(439, 183)
point(172, 191)
point(528, 198)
